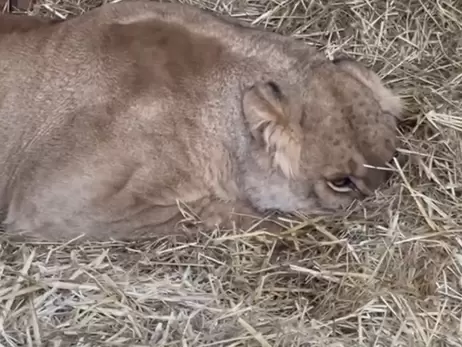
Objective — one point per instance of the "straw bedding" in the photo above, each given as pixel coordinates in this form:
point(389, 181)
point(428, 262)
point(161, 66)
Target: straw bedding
point(388, 277)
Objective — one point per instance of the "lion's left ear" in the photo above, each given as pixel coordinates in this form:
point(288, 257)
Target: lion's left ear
point(266, 109)
point(389, 102)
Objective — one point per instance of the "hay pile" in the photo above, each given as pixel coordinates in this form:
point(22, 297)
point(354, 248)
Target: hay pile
point(391, 277)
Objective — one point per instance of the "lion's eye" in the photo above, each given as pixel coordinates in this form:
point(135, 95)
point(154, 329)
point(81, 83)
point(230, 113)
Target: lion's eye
point(342, 185)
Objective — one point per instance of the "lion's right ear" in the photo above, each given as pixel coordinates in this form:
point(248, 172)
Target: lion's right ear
point(388, 100)
point(267, 112)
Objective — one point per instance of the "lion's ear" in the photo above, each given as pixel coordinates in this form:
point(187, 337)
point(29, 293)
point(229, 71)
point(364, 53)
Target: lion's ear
point(389, 102)
point(266, 110)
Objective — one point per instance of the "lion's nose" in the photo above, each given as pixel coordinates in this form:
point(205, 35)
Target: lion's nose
point(375, 178)
point(401, 158)
point(387, 175)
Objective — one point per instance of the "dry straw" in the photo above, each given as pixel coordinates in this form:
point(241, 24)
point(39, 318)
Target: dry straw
point(388, 277)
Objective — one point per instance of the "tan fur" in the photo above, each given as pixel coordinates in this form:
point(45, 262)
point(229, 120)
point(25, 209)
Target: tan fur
point(110, 119)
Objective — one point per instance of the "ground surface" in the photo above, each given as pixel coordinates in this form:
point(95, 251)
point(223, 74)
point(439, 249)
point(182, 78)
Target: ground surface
point(391, 277)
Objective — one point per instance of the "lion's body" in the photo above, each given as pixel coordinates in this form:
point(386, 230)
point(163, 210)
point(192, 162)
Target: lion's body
point(108, 119)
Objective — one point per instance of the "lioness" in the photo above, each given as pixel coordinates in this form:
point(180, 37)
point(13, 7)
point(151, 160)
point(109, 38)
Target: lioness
point(109, 119)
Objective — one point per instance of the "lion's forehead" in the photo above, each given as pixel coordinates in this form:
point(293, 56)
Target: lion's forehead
point(347, 144)
point(341, 121)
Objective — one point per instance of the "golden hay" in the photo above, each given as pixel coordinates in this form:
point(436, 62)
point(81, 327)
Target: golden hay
point(391, 277)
